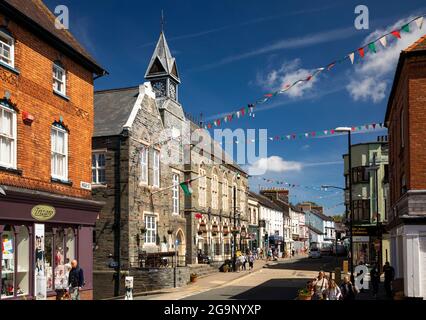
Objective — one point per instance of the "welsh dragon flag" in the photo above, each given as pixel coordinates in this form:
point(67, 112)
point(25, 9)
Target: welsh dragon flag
point(186, 187)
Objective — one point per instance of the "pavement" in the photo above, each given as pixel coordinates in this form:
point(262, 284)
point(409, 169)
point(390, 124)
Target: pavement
point(222, 285)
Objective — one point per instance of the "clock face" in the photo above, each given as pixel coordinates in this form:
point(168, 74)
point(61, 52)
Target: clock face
point(159, 88)
point(172, 89)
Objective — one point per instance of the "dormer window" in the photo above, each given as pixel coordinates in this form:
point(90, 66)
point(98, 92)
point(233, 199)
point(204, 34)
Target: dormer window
point(7, 50)
point(59, 79)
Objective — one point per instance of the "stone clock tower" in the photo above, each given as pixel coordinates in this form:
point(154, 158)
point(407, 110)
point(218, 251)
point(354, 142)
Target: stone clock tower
point(162, 71)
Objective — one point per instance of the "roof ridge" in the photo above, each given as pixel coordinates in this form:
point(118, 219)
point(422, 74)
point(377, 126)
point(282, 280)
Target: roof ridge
point(415, 44)
point(115, 89)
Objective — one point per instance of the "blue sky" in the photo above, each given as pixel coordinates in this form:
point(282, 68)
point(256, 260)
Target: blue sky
point(230, 53)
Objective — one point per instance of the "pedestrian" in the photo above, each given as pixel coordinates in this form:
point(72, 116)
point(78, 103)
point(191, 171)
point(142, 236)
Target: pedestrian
point(251, 261)
point(389, 272)
point(320, 285)
point(75, 280)
point(375, 280)
point(258, 253)
point(348, 290)
point(244, 261)
point(292, 253)
point(333, 292)
point(269, 254)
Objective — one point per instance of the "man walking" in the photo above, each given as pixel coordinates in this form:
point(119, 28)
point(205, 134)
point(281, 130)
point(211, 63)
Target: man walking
point(75, 280)
point(389, 277)
point(375, 280)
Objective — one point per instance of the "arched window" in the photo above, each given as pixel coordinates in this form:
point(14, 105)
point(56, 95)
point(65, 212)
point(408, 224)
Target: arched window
point(225, 193)
point(7, 48)
point(59, 152)
point(8, 136)
point(215, 190)
point(59, 78)
point(202, 187)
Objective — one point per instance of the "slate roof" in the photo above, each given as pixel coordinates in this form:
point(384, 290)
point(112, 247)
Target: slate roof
point(321, 215)
point(112, 109)
point(266, 202)
point(35, 11)
point(163, 54)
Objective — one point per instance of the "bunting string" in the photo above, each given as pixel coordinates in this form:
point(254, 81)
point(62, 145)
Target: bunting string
point(370, 48)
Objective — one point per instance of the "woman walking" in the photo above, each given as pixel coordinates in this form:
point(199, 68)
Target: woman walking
point(333, 292)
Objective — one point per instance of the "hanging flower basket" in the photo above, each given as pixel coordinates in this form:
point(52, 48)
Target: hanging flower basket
point(193, 277)
point(170, 231)
point(143, 230)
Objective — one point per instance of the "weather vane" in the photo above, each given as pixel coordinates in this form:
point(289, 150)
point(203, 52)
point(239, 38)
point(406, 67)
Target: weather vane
point(163, 21)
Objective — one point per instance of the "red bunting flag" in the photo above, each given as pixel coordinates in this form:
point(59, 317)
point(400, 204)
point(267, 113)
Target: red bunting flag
point(309, 78)
point(269, 95)
point(361, 52)
point(396, 33)
point(331, 65)
point(230, 117)
point(243, 111)
point(374, 126)
point(313, 133)
point(332, 131)
point(198, 216)
point(218, 122)
point(209, 125)
point(353, 129)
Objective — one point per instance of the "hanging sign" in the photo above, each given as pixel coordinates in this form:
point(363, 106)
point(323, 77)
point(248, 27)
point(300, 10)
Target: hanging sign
point(40, 271)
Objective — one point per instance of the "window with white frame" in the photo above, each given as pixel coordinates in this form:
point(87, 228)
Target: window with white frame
point(59, 153)
point(59, 78)
point(151, 229)
point(7, 49)
point(225, 193)
point(215, 191)
point(98, 168)
point(202, 188)
point(156, 169)
point(144, 165)
point(175, 196)
point(7, 137)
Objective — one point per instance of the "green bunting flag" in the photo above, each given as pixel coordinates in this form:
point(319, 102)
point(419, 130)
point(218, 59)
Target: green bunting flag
point(372, 47)
point(406, 28)
point(186, 187)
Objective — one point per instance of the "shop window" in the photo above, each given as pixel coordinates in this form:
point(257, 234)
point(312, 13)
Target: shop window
point(8, 263)
point(48, 254)
point(23, 263)
point(359, 175)
point(64, 254)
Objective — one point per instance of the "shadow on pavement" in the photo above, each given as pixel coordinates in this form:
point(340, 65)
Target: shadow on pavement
point(326, 263)
point(274, 289)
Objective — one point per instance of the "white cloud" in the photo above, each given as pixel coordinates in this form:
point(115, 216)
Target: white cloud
point(273, 164)
point(288, 73)
point(373, 76)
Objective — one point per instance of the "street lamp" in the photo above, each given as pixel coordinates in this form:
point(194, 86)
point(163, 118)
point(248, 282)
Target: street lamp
point(348, 130)
point(326, 186)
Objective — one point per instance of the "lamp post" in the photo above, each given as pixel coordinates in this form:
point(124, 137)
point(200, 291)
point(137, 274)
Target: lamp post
point(234, 232)
point(375, 167)
point(349, 216)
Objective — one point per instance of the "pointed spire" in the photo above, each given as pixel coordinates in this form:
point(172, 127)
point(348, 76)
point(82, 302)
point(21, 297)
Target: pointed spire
point(162, 62)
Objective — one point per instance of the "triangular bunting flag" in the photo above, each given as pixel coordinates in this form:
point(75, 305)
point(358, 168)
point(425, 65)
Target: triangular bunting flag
point(230, 117)
point(361, 52)
point(332, 131)
point(218, 122)
point(309, 78)
point(242, 112)
point(372, 47)
point(374, 126)
point(238, 114)
point(352, 56)
point(288, 137)
point(383, 41)
point(419, 22)
point(396, 34)
point(225, 119)
point(325, 132)
point(331, 65)
point(406, 27)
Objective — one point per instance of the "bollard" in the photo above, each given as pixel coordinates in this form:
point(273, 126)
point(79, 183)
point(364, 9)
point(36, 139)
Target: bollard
point(338, 276)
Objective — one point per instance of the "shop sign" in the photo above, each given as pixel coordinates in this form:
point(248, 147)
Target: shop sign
point(85, 185)
point(43, 212)
point(361, 239)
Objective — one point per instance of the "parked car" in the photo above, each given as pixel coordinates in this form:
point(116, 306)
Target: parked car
point(326, 251)
point(314, 253)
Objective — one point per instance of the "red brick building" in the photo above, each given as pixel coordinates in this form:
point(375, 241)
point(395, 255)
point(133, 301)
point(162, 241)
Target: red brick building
point(405, 119)
point(46, 126)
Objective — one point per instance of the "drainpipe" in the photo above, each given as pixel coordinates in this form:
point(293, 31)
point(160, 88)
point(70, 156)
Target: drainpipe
point(117, 220)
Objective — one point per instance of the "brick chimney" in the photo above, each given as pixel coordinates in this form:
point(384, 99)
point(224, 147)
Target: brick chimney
point(275, 194)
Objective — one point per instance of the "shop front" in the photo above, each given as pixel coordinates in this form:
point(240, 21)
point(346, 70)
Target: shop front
point(365, 247)
point(41, 234)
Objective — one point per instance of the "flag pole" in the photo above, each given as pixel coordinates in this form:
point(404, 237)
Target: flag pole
point(169, 187)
